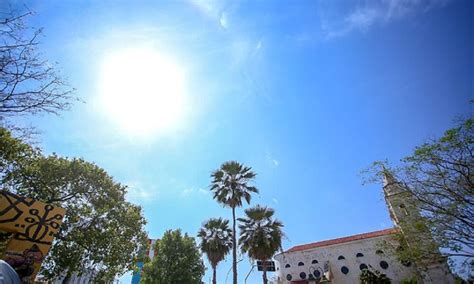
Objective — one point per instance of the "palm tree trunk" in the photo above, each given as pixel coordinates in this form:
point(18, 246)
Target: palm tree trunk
point(234, 247)
point(214, 278)
point(264, 266)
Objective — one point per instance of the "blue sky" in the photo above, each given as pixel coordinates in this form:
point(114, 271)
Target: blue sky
point(308, 93)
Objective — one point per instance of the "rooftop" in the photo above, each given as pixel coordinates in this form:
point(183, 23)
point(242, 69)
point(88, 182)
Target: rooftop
point(344, 240)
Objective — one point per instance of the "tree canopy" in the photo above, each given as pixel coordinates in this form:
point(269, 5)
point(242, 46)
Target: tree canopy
point(177, 260)
point(372, 276)
point(260, 235)
point(216, 241)
point(440, 175)
point(101, 232)
point(230, 184)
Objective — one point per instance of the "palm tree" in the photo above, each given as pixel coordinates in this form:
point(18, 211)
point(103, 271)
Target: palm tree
point(230, 185)
point(216, 241)
point(260, 235)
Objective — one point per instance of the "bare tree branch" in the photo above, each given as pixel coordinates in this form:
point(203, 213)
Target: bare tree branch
point(28, 83)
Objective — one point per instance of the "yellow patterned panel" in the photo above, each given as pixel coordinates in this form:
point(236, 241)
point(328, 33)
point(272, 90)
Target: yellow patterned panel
point(34, 224)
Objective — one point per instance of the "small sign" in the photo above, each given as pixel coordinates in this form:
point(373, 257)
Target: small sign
point(270, 265)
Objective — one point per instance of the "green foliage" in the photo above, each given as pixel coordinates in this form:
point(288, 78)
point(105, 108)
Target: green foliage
point(371, 276)
point(13, 153)
point(413, 253)
point(412, 280)
point(100, 232)
point(216, 241)
point(439, 175)
point(231, 184)
point(178, 260)
point(260, 234)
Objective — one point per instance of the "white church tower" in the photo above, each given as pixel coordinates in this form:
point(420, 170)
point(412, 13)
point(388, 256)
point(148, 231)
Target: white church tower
point(404, 212)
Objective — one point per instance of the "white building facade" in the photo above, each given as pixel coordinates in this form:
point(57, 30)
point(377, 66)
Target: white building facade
point(342, 260)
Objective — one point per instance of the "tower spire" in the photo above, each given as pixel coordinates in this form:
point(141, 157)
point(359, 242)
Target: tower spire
point(390, 184)
point(404, 212)
point(387, 177)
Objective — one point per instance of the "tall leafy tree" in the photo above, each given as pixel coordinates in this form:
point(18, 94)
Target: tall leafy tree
point(439, 174)
point(231, 185)
point(101, 232)
point(216, 242)
point(177, 261)
point(260, 235)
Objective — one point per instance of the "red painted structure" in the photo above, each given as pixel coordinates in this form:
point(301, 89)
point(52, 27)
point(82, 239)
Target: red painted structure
point(343, 240)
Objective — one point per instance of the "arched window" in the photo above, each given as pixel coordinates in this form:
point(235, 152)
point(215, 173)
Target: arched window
point(300, 263)
point(341, 257)
point(314, 261)
point(344, 270)
point(359, 254)
point(363, 266)
point(379, 252)
point(287, 265)
point(403, 209)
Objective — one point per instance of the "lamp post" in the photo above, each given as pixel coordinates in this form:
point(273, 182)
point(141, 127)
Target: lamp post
point(253, 266)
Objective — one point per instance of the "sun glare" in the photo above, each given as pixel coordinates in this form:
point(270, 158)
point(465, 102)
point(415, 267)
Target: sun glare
point(141, 90)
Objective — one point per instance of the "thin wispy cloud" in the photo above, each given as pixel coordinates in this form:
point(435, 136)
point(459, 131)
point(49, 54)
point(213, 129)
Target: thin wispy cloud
point(138, 193)
point(338, 21)
point(242, 47)
point(244, 51)
point(240, 50)
point(223, 20)
point(192, 191)
point(272, 161)
point(211, 9)
point(363, 18)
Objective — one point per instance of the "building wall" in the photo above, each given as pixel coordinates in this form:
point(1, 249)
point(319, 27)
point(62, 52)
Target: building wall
point(151, 248)
point(85, 278)
point(137, 275)
point(151, 253)
point(305, 261)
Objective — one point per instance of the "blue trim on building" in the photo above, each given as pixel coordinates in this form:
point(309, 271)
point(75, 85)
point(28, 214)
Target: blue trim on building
point(137, 274)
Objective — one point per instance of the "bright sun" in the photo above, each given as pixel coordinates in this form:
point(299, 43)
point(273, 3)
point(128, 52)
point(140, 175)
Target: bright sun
point(141, 90)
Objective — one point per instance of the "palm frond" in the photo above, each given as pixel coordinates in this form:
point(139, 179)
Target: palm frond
point(260, 234)
point(216, 239)
point(231, 184)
